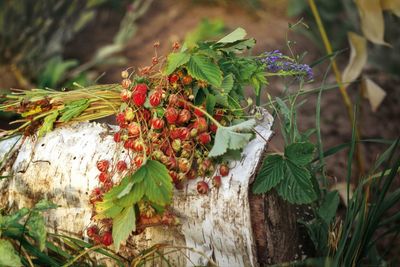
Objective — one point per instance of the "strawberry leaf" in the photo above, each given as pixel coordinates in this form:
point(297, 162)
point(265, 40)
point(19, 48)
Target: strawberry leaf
point(202, 68)
point(157, 183)
point(175, 60)
point(234, 36)
point(271, 173)
point(8, 255)
point(123, 225)
point(48, 123)
point(300, 153)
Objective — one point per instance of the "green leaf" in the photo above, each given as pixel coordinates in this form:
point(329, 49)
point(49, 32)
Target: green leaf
point(233, 137)
point(74, 109)
point(134, 196)
point(8, 255)
point(44, 204)
point(297, 187)
point(202, 68)
point(175, 60)
point(48, 123)
point(238, 46)
point(234, 36)
point(300, 153)
point(123, 225)
point(271, 173)
point(227, 83)
point(328, 208)
point(158, 183)
point(210, 103)
point(37, 229)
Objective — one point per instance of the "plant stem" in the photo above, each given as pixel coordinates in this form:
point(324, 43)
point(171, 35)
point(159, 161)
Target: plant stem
point(82, 254)
point(346, 99)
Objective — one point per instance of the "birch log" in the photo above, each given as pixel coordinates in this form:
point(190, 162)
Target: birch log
point(62, 168)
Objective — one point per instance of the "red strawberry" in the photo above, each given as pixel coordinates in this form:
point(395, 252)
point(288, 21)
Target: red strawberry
point(184, 133)
point(139, 99)
point(219, 113)
point(157, 123)
point(125, 95)
point(224, 170)
point(126, 83)
point(117, 137)
point(202, 187)
point(121, 166)
point(92, 231)
point(201, 125)
point(102, 165)
point(155, 99)
point(175, 133)
point(184, 165)
point(103, 177)
point(187, 80)
point(198, 112)
point(174, 176)
point(204, 138)
point(216, 181)
point(184, 116)
point(213, 128)
point(171, 114)
point(120, 118)
point(107, 239)
point(191, 174)
point(140, 88)
point(134, 129)
point(137, 146)
point(173, 78)
point(173, 99)
point(128, 144)
point(138, 160)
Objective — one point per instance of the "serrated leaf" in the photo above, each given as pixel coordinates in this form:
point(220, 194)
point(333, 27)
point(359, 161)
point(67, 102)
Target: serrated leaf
point(234, 36)
point(297, 187)
point(210, 103)
point(175, 60)
point(221, 143)
point(126, 190)
point(123, 225)
point(358, 57)
point(227, 83)
point(300, 153)
point(202, 68)
point(134, 196)
point(328, 208)
point(239, 46)
point(37, 229)
point(271, 173)
point(48, 123)
point(157, 183)
point(8, 255)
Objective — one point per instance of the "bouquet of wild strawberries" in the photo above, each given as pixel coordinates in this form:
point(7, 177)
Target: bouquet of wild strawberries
point(177, 119)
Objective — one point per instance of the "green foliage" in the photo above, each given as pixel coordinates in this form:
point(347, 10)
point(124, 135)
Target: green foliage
point(55, 71)
point(123, 224)
point(203, 68)
point(8, 255)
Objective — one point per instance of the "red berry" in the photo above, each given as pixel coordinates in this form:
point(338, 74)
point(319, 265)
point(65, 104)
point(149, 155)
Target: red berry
point(202, 187)
point(184, 116)
point(216, 181)
point(138, 160)
point(102, 165)
point(125, 95)
point(139, 99)
point(103, 177)
point(204, 138)
point(219, 113)
point(117, 137)
point(129, 144)
point(224, 170)
point(175, 133)
point(198, 112)
point(92, 231)
point(184, 133)
point(134, 129)
point(140, 88)
point(107, 239)
point(121, 166)
point(155, 99)
point(201, 125)
point(120, 118)
point(171, 114)
point(173, 78)
point(187, 80)
point(213, 128)
point(173, 99)
point(126, 83)
point(137, 146)
point(157, 123)
point(174, 176)
point(184, 165)
point(191, 174)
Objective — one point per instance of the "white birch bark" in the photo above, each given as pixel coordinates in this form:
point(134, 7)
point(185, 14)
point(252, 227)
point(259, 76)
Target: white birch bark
point(62, 168)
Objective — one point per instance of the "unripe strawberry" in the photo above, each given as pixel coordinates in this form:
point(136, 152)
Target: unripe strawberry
point(92, 231)
point(124, 74)
point(157, 123)
point(213, 128)
point(139, 99)
point(202, 187)
point(121, 166)
point(183, 165)
point(137, 146)
point(125, 95)
point(102, 165)
point(194, 132)
point(155, 99)
point(126, 83)
point(184, 116)
point(204, 138)
point(140, 88)
point(129, 144)
point(201, 125)
point(134, 129)
point(157, 154)
point(176, 145)
point(138, 160)
point(173, 99)
point(216, 181)
point(129, 114)
point(187, 80)
point(117, 137)
point(173, 78)
point(187, 146)
point(184, 133)
point(185, 154)
point(107, 239)
point(171, 114)
point(223, 170)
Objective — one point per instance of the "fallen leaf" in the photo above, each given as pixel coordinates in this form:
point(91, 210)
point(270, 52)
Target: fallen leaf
point(391, 5)
point(372, 23)
point(374, 93)
point(358, 57)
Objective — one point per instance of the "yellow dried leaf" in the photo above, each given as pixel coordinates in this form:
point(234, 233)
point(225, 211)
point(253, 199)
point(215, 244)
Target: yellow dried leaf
point(372, 23)
point(358, 57)
point(391, 5)
point(374, 93)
